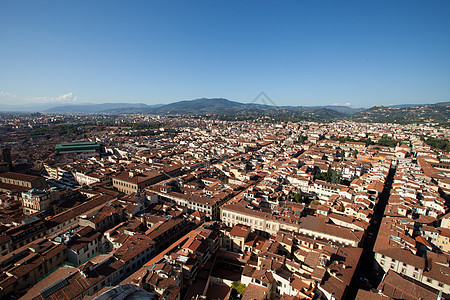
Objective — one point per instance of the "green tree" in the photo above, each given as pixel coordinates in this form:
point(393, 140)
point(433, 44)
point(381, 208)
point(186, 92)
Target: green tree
point(239, 287)
point(302, 139)
point(335, 177)
point(388, 142)
point(298, 197)
point(441, 144)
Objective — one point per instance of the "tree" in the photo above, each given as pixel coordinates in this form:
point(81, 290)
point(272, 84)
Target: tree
point(239, 287)
point(302, 139)
point(388, 142)
point(441, 144)
point(335, 177)
point(298, 197)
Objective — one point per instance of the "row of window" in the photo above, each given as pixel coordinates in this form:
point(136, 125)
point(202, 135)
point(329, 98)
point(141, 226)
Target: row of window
point(16, 182)
point(242, 219)
point(414, 275)
point(393, 261)
point(327, 188)
point(121, 183)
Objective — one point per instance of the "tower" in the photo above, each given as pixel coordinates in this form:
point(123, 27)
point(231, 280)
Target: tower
point(6, 156)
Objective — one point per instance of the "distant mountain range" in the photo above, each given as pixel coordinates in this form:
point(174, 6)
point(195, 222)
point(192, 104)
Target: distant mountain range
point(196, 106)
point(347, 110)
point(404, 113)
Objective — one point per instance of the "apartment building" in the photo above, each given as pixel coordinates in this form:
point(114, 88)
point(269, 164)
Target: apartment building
point(258, 220)
point(25, 266)
point(39, 201)
point(31, 229)
point(23, 180)
point(69, 218)
point(324, 190)
point(131, 181)
point(396, 251)
point(82, 244)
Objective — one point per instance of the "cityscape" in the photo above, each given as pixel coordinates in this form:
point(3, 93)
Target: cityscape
point(215, 150)
point(184, 207)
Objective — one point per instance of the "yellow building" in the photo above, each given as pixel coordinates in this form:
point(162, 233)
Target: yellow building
point(131, 182)
point(444, 239)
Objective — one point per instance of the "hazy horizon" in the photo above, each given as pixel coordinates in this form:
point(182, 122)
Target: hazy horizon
point(43, 107)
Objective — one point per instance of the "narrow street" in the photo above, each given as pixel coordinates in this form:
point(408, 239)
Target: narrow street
point(366, 264)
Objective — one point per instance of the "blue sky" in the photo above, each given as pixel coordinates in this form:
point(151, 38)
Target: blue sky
point(358, 53)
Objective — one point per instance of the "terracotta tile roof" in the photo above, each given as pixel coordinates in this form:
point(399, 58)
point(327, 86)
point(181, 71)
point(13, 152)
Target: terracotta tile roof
point(334, 286)
point(78, 210)
point(255, 292)
point(133, 246)
point(398, 287)
point(18, 176)
point(369, 295)
point(240, 230)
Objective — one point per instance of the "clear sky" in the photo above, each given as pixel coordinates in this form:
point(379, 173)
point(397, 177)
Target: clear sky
point(362, 53)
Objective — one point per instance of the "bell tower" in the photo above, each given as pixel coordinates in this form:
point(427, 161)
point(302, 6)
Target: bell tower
point(6, 156)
